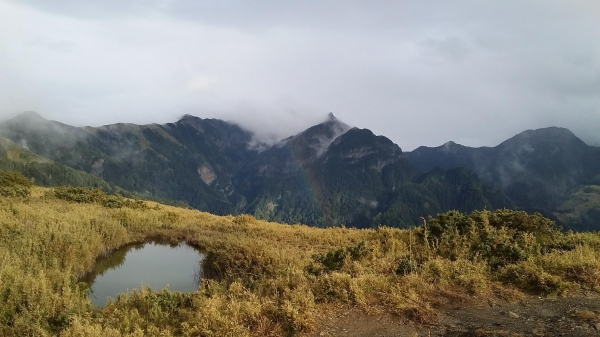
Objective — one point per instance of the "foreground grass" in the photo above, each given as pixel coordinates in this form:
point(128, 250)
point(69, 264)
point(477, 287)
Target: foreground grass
point(267, 279)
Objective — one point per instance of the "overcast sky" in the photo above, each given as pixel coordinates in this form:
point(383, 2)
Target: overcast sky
point(418, 72)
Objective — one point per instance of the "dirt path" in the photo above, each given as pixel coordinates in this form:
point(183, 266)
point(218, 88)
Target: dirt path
point(577, 316)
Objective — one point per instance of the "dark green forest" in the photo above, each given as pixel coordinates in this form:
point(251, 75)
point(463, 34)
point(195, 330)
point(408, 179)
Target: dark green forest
point(328, 175)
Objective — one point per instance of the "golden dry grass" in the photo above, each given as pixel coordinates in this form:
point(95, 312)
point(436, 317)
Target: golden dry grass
point(266, 279)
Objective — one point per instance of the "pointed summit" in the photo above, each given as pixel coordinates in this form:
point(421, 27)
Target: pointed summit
point(313, 142)
point(332, 123)
point(332, 120)
point(322, 135)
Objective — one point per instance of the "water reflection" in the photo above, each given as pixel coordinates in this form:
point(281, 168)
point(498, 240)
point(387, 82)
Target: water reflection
point(153, 264)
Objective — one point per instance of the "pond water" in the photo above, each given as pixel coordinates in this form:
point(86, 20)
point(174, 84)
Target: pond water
point(153, 264)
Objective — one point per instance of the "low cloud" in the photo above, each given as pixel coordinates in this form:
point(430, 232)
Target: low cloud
point(370, 203)
point(419, 73)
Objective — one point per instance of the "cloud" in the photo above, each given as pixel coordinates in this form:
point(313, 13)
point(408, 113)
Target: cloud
point(419, 73)
point(202, 83)
point(370, 203)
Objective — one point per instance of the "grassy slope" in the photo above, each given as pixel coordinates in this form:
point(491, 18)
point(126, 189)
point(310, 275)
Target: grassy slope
point(18, 154)
point(46, 172)
point(581, 209)
point(269, 279)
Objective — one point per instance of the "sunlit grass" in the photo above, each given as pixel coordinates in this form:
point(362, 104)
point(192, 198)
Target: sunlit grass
point(267, 279)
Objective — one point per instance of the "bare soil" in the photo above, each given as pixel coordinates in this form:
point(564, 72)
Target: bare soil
point(576, 316)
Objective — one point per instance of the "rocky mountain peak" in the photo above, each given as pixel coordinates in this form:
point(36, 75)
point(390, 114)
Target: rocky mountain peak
point(334, 122)
point(318, 138)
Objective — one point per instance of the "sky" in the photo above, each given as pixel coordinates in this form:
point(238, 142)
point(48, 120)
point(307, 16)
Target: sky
point(418, 72)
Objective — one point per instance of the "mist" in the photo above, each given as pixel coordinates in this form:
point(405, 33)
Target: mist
point(418, 73)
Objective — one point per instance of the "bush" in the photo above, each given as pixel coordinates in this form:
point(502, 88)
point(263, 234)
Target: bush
point(239, 262)
point(95, 195)
point(335, 259)
point(407, 265)
point(80, 194)
point(530, 277)
point(499, 238)
point(472, 277)
point(14, 184)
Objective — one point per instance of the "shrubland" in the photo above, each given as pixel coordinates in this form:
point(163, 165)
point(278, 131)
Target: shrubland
point(261, 278)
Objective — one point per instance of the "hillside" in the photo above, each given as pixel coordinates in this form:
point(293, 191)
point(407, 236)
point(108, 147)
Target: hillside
point(269, 279)
point(328, 175)
point(192, 160)
point(537, 169)
point(581, 209)
point(332, 174)
point(46, 172)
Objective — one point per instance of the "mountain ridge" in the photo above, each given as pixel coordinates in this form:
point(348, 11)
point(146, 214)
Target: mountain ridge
point(538, 169)
point(327, 175)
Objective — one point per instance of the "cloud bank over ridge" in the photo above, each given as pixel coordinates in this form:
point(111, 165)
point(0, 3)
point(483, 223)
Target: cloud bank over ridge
point(419, 73)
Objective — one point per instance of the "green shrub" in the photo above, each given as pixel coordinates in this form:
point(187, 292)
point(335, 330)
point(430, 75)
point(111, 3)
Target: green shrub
point(14, 184)
point(407, 265)
point(531, 277)
point(239, 262)
point(95, 195)
point(80, 194)
point(500, 238)
point(335, 259)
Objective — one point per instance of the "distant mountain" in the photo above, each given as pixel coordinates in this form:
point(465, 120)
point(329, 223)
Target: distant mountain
point(448, 156)
point(581, 210)
point(328, 175)
point(332, 174)
point(46, 172)
point(537, 169)
point(192, 160)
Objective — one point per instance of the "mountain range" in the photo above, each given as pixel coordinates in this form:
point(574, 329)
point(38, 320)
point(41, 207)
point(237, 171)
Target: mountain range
point(328, 175)
point(546, 170)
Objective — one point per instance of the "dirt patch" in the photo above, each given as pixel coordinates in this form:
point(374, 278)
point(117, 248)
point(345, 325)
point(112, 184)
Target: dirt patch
point(577, 316)
point(354, 322)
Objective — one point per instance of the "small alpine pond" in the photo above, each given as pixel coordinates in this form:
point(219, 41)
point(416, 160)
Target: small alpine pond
point(154, 264)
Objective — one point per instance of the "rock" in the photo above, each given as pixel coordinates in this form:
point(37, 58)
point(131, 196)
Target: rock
point(539, 331)
point(597, 326)
point(207, 174)
point(513, 315)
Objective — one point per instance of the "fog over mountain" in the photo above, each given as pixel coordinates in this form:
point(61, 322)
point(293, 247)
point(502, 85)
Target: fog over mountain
point(327, 175)
point(420, 73)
